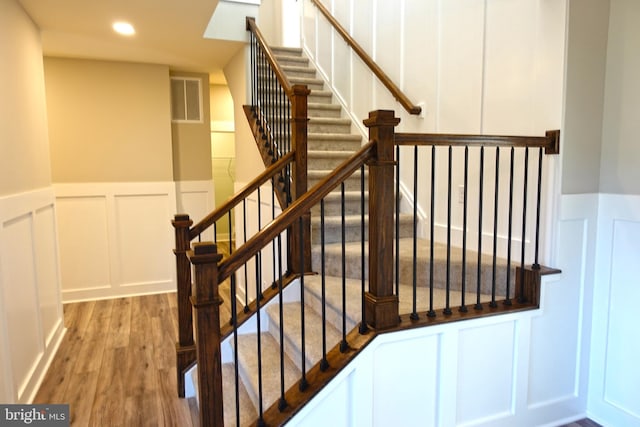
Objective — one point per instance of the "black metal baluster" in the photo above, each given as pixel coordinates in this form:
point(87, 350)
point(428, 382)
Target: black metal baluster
point(463, 307)
point(230, 229)
point(432, 220)
point(282, 403)
point(244, 240)
point(324, 364)
point(303, 381)
point(447, 307)
point(254, 71)
point(363, 324)
point(522, 298)
point(397, 235)
point(273, 216)
point(234, 322)
point(478, 305)
point(259, 341)
point(215, 233)
point(414, 265)
point(495, 229)
point(536, 264)
point(288, 167)
point(507, 300)
point(259, 294)
point(343, 344)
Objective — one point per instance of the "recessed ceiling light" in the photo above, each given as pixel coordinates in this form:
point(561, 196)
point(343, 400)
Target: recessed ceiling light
point(124, 28)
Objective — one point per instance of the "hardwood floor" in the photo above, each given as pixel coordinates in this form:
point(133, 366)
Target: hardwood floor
point(116, 365)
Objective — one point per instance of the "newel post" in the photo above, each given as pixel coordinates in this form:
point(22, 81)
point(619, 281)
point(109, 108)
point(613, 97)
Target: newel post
point(381, 305)
point(185, 350)
point(299, 124)
point(206, 307)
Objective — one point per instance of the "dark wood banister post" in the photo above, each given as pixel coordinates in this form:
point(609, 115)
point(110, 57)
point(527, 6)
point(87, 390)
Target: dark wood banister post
point(381, 305)
point(185, 350)
point(206, 307)
point(299, 123)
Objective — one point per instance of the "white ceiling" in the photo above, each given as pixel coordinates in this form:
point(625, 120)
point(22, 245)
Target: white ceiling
point(167, 32)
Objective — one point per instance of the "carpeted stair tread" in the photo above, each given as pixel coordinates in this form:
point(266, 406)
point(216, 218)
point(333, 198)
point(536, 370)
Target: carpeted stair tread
point(299, 71)
point(321, 106)
point(248, 368)
point(288, 59)
point(353, 229)
point(310, 82)
point(333, 257)
point(293, 332)
point(331, 154)
point(295, 51)
point(333, 298)
point(248, 412)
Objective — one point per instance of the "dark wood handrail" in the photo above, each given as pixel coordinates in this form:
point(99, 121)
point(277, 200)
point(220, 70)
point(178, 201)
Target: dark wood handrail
point(386, 80)
point(282, 78)
point(266, 175)
point(294, 211)
point(550, 142)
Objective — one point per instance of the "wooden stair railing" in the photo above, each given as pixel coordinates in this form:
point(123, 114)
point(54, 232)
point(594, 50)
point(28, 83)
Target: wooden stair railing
point(369, 62)
point(270, 86)
point(184, 235)
point(380, 307)
point(211, 271)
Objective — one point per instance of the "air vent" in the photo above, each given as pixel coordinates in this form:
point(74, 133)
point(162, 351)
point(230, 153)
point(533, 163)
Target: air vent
point(186, 100)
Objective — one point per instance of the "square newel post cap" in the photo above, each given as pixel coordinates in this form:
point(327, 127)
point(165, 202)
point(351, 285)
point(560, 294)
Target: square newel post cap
point(181, 220)
point(204, 253)
point(381, 118)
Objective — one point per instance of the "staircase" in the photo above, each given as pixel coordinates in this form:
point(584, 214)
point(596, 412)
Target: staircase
point(330, 142)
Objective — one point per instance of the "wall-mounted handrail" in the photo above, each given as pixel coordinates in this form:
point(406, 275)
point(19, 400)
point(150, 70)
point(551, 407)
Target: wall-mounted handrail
point(282, 78)
point(386, 80)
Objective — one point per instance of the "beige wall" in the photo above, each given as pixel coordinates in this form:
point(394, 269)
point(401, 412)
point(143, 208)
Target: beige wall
point(584, 95)
point(620, 162)
point(223, 150)
point(248, 161)
point(191, 141)
point(24, 144)
point(108, 121)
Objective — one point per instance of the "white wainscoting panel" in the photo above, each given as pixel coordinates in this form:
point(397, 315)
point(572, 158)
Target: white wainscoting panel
point(30, 307)
point(392, 401)
point(485, 378)
point(20, 293)
point(197, 199)
point(116, 239)
point(47, 270)
point(523, 369)
point(84, 243)
point(140, 244)
point(615, 374)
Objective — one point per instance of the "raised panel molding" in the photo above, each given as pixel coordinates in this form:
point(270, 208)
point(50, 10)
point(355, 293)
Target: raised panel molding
point(485, 378)
point(31, 323)
point(197, 199)
point(523, 369)
point(116, 239)
point(614, 373)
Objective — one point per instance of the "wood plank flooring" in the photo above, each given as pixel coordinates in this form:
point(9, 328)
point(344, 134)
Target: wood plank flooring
point(116, 365)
